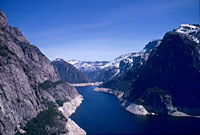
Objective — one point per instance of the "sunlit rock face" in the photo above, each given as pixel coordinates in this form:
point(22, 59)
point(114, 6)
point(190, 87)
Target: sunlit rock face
point(27, 80)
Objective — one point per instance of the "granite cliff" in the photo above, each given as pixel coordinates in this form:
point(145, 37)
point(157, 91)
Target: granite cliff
point(29, 85)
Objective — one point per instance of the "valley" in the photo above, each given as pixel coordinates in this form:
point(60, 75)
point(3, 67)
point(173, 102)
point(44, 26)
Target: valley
point(171, 63)
point(95, 70)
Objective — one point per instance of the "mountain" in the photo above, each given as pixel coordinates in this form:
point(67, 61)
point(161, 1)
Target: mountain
point(109, 71)
point(88, 65)
point(168, 81)
point(92, 69)
point(104, 71)
point(125, 64)
point(30, 88)
point(69, 73)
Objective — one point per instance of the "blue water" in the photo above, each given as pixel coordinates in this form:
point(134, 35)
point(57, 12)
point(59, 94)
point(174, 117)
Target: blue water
point(101, 113)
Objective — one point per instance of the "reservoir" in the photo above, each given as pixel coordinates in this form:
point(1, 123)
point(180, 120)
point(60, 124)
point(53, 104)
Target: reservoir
point(101, 113)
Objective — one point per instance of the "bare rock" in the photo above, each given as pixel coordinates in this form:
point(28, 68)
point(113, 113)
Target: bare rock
point(23, 68)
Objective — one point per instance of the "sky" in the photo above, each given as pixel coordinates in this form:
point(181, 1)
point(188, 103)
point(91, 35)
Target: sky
point(94, 30)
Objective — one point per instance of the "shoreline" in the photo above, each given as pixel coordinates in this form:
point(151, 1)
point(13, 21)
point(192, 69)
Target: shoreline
point(118, 94)
point(67, 110)
point(131, 107)
point(85, 84)
point(138, 109)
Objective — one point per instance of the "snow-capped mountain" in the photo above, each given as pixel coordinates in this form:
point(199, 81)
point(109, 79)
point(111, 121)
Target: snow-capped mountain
point(191, 30)
point(92, 69)
point(125, 62)
point(129, 58)
point(105, 70)
point(88, 65)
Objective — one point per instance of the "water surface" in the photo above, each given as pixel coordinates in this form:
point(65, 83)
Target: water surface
point(101, 113)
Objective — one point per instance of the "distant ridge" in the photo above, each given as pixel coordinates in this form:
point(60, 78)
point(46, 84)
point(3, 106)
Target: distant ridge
point(69, 73)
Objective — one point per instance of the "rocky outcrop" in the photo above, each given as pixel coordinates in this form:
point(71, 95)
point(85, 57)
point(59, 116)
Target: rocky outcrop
point(74, 129)
point(137, 109)
point(3, 20)
point(157, 101)
point(68, 109)
point(28, 81)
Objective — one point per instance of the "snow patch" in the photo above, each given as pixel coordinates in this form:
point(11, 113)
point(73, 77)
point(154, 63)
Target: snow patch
point(189, 30)
point(58, 59)
point(88, 65)
point(118, 71)
point(73, 62)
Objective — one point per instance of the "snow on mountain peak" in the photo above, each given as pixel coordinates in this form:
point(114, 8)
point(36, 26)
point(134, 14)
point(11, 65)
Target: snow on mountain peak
point(190, 30)
point(189, 26)
point(116, 66)
point(87, 65)
point(73, 62)
point(58, 59)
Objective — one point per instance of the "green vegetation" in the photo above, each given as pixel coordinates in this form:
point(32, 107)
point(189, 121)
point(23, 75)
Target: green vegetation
point(47, 121)
point(59, 102)
point(158, 91)
point(49, 84)
point(151, 92)
point(39, 124)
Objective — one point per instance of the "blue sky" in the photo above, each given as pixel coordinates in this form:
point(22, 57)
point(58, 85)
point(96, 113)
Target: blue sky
point(96, 29)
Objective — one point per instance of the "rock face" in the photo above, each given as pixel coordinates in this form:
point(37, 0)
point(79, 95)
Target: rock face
point(157, 101)
point(137, 109)
point(3, 20)
point(69, 73)
point(24, 73)
point(171, 67)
